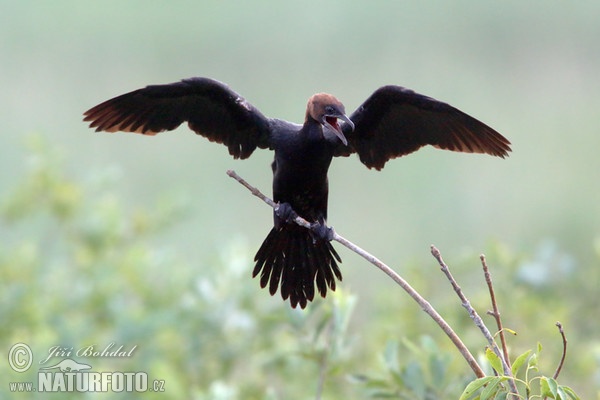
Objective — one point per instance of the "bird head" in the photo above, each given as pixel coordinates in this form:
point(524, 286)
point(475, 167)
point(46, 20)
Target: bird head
point(326, 109)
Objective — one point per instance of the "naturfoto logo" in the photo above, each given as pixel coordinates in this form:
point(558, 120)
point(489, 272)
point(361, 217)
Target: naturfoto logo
point(71, 375)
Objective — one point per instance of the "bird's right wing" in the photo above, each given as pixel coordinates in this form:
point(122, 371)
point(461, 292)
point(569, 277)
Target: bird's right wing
point(395, 121)
point(210, 108)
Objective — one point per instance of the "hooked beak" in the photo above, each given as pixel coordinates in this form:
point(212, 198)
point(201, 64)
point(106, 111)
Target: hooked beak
point(331, 121)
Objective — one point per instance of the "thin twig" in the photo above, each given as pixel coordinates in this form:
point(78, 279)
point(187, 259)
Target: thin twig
point(424, 304)
point(564, 352)
point(495, 313)
point(251, 188)
point(475, 317)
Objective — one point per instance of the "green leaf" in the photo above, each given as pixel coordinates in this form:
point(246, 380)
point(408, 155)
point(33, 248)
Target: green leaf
point(390, 356)
point(429, 345)
point(548, 387)
point(438, 369)
point(413, 379)
point(562, 395)
point(570, 392)
point(492, 388)
point(532, 362)
point(512, 332)
point(413, 348)
point(474, 386)
point(494, 361)
point(519, 361)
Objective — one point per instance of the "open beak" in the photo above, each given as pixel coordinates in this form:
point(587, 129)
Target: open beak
point(331, 121)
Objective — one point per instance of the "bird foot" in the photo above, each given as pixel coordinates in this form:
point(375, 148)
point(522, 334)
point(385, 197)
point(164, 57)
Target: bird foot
point(286, 212)
point(322, 231)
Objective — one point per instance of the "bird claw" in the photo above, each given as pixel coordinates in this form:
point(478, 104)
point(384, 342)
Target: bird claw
point(286, 212)
point(322, 231)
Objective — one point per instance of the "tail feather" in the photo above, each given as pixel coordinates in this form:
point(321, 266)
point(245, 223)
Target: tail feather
point(294, 260)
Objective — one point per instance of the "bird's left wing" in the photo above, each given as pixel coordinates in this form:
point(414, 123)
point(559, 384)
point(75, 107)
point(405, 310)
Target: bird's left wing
point(210, 108)
point(395, 121)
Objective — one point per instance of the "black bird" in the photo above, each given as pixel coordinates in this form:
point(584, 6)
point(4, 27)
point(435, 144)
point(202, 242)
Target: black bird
point(392, 122)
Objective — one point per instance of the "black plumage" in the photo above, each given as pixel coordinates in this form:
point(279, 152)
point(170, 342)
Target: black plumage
point(392, 122)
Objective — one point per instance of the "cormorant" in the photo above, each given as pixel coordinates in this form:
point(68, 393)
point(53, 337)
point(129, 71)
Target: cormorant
point(392, 122)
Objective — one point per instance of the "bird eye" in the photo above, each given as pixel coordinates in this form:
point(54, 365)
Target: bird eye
point(329, 110)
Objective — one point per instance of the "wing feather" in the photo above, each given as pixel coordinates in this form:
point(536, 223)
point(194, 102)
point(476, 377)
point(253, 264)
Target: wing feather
point(395, 121)
point(210, 108)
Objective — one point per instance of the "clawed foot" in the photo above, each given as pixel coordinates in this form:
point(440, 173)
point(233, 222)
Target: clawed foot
point(322, 231)
point(286, 212)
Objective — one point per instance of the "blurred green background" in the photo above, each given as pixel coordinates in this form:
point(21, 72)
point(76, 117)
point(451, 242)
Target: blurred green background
point(119, 237)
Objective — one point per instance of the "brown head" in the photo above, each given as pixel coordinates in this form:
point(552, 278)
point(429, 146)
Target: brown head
point(326, 110)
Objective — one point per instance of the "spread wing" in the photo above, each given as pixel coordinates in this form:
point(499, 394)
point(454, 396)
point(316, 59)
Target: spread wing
point(210, 108)
point(396, 121)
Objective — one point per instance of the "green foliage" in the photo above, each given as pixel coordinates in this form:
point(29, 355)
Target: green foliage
point(427, 374)
point(79, 267)
point(414, 371)
point(530, 386)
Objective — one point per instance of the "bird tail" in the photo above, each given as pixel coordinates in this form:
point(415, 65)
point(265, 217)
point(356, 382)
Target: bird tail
point(294, 258)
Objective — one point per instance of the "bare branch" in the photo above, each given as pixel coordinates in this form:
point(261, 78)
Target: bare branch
point(251, 188)
point(475, 317)
point(424, 304)
point(495, 313)
point(564, 352)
